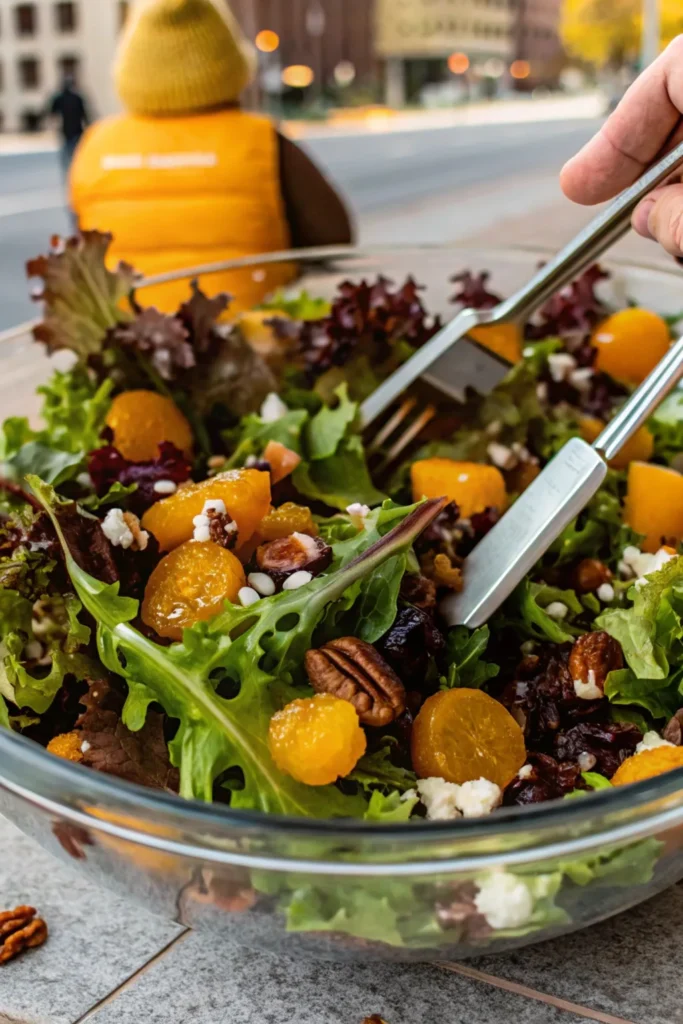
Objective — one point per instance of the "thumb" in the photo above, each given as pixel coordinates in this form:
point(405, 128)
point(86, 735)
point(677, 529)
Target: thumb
point(660, 217)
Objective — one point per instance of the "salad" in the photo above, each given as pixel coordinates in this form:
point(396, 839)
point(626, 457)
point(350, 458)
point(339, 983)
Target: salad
point(209, 586)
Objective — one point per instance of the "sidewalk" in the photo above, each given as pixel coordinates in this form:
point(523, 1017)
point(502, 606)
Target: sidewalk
point(377, 120)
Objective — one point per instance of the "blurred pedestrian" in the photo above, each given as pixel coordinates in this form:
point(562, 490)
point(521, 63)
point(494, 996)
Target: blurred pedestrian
point(647, 122)
point(185, 176)
point(68, 106)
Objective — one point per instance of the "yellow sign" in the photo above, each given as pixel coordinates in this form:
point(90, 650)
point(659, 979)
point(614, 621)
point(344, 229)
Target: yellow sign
point(418, 28)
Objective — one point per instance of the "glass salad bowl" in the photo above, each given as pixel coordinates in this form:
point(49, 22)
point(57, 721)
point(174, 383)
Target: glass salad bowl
point(348, 889)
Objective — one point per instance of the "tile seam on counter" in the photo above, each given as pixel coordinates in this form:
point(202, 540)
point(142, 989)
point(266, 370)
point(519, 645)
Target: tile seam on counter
point(131, 979)
point(542, 997)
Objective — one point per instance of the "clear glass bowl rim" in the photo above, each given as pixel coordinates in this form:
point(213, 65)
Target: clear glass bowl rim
point(660, 799)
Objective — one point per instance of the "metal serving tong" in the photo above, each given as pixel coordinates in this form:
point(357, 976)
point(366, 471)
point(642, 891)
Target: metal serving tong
point(451, 362)
point(511, 549)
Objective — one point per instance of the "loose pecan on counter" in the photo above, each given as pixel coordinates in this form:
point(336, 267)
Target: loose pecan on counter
point(20, 929)
point(352, 670)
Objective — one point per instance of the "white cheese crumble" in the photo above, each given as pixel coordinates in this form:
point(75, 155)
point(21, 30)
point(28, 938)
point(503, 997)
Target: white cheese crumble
point(542, 391)
point(588, 690)
point(202, 522)
point(85, 747)
point(557, 610)
point(501, 456)
point(651, 740)
point(216, 505)
point(165, 487)
point(33, 651)
point(261, 583)
point(586, 761)
point(358, 514)
point(248, 596)
point(528, 647)
point(446, 800)
point(297, 580)
point(84, 480)
point(525, 772)
point(605, 593)
point(504, 899)
point(116, 529)
point(560, 365)
point(641, 563)
point(273, 408)
point(581, 378)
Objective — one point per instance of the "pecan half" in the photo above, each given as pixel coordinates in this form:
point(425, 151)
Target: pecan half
point(20, 929)
point(674, 729)
point(353, 670)
point(298, 552)
point(592, 659)
point(222, 529)
point(591, 574)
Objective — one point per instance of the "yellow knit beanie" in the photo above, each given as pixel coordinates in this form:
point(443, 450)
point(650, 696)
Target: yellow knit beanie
point(181, 56)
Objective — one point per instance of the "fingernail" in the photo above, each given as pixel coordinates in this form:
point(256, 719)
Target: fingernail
point(641, 218)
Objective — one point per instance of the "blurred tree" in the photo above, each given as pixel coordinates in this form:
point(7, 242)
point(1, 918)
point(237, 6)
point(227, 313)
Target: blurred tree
point(608, 32)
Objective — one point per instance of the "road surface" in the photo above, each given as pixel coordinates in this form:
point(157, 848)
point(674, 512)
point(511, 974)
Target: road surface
point(421, 185)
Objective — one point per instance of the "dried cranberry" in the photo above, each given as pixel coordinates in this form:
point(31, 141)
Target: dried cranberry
point(548, 780)
point(610, 743)
point(409, 644)
point(108, 466)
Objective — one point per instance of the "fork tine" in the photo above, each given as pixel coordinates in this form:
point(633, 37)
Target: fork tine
point(392, 423)
point(408, 435)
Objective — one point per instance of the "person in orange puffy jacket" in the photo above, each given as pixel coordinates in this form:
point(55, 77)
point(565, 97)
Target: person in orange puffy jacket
point(185, 177)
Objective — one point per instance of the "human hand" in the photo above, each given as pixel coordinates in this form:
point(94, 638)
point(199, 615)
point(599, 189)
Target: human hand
point(647, 123)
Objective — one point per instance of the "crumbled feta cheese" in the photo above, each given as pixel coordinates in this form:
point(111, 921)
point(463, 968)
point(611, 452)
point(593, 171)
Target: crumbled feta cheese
point(261, 583)
point(440, 798)
point(358, 514)
point(557, 610)
point(588, 690)
point(478, 798)
point(651, 740)
point(248, 596)
point(525, 772)
point(504, 899)
point(605, 592)
point(501, 456)
point(273, 408)
point(85, 747)
point(642, 563)
point(586, 761)
point(116, 529)
point(84, 480)
point(297, 580)
point(33, 651)
point(230, 527)
point(581, 378)
point(165, 487)
point(446, 800)
point(528, 647)
point(494, 429)
point(560, 365)
point(216, 505)
point(542, 391)
point(521, 451)
point(202, 529)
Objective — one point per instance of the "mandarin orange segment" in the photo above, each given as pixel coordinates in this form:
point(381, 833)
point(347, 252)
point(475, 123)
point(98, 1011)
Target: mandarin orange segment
point(473, 486)
point(462, 735)
point(503, 339)
point(282, 461)
point(142, 420)
point(639, 449)
point(630, 343)
point(317, 740)
point(191, 585)
point(67, 746)
point(648, 764)
point(245, 493)
point(286, 520)
point(654, 504)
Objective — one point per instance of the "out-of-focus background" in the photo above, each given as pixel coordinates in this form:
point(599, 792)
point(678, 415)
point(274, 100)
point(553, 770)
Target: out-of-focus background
point(441, 120)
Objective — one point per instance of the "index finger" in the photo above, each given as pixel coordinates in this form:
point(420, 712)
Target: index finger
point(633, 136)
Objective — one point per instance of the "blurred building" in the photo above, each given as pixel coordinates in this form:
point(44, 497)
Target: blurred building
point(44, 40)
point(537, 41)
point(332, 38)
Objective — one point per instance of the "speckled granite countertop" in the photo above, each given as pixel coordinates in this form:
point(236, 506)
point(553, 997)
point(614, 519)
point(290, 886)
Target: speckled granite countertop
point(108, 962)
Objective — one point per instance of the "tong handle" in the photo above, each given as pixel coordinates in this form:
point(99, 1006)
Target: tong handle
point(595, 239)
point(642, 403)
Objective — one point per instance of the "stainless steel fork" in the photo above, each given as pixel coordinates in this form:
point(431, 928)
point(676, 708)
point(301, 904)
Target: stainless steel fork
point(450, 357)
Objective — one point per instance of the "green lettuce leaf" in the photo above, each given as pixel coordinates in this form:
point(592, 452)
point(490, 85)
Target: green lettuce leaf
point(341, 480)
point(650, 631)
point(257, 648)
point(465, 650)
point(659, 697)
point(526, 606)
point(390, 807)
point(666, 427)
point(74, 410)
point(377, 771)
point(328, 428)
point(298, 306)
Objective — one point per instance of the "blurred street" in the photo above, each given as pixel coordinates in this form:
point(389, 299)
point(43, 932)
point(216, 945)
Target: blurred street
point(429, 185)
